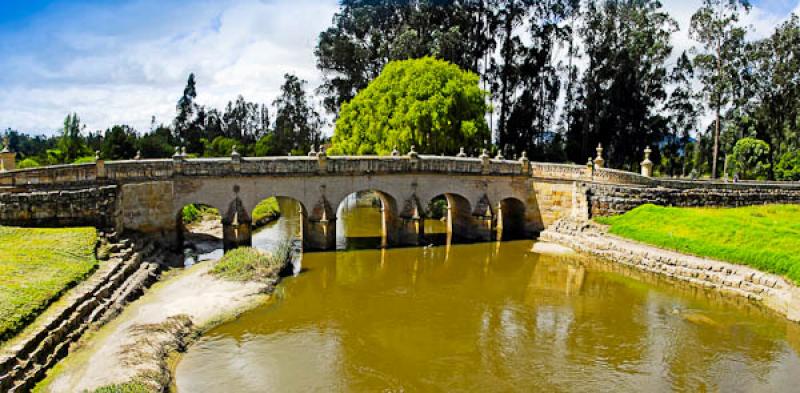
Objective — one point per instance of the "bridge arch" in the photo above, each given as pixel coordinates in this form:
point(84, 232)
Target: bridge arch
point(360, 204)
point(511, 215)
point(459, 220)
point(188, 216)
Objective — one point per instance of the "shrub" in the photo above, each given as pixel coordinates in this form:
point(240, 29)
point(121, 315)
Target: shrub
point(266, 210)
point(28, 163)
point(193, 213)
point(750, 159)
point(84, 160)
point(788, 168)
point(251, 264)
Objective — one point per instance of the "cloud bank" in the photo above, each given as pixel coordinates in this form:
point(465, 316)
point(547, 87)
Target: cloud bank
point(123, 63)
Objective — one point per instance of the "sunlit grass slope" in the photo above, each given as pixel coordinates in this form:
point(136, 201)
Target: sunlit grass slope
point(766, 237)
point(36, 266)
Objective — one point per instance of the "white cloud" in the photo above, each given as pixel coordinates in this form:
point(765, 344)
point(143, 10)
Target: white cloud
point(124, 64)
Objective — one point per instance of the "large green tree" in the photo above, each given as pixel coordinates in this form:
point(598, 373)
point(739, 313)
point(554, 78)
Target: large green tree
point(426, 102)
point(298, 126)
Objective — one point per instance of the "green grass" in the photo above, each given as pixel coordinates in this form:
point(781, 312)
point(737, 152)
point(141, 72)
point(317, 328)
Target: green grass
point(766, 237)
point(267, 210)
point(250, 264)
point(193, 213)
point(129, 387)
point(36, 266)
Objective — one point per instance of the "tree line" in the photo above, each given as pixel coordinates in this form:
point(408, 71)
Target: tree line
point(561, 77)
point(203, 131)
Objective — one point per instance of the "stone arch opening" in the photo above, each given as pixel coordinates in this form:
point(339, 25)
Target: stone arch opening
point(199, 231)
point(455, 212)
point(366, 219)
point(510, 219)
point(277, 219)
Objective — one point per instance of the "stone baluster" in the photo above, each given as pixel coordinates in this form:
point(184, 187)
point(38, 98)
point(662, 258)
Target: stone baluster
point(8, 159)
point(589, 168)
point(599, 161)
point(647, 165)
point(100, 164)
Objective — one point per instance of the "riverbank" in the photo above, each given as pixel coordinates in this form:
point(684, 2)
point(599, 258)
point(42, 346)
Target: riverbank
point(37, 265)
point(135, 348)
point(765, 237)
point(774, 291)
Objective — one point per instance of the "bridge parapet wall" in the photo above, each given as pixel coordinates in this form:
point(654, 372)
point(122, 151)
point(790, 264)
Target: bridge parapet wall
point(95, 206)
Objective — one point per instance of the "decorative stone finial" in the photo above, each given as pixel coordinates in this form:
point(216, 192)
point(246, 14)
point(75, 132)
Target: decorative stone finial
point(312, 152)
point(138, 155)
point(183, 151)
point(395, 152)
point(484, 154)
point(499, 156)
point(599, 161)
point(647, 165)
point(413, 152)
point(321, 154)
point(461, 153)
point(97, 155)
point(235, 154)
point(589, 162)
point(524, 156)
point(177, 152)
point(6, 145)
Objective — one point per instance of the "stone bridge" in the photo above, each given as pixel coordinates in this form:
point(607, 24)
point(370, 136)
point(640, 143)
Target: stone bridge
point(487, 198)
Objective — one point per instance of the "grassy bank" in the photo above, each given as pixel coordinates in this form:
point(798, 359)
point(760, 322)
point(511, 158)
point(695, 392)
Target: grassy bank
point(251, 264)
point(765, 237)
point(266, 211)
point(36, 266)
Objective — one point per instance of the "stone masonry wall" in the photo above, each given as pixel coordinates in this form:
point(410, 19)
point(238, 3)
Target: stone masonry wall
point(607, 200)
point(771, 290)
point(95, 206)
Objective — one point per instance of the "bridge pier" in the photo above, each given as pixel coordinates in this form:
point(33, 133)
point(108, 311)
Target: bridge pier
point(319, 234)
point(410, 231)
point(236, 235)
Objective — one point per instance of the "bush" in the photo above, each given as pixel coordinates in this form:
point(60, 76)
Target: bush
point(193, 213)
point(750, 159)
point(788, 168)
point(251, 264)
point(425, 102)
point(84, 160)
point(28, 163)
point(266, 211)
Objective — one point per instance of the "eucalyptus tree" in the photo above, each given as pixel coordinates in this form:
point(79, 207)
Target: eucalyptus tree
point(682, 109)
point(715, 26)
point(298, 126)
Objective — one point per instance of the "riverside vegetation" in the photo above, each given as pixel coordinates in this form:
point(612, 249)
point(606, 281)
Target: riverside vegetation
point(764, 237)
point(36, 267)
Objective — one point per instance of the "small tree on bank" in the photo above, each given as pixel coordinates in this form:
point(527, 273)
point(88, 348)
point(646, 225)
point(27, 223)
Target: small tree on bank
point(425, 102)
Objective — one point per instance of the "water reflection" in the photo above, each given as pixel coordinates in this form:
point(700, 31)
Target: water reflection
point(491, 317)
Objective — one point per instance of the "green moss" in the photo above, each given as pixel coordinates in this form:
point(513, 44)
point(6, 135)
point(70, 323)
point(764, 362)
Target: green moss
point(36, 266)
point(267, 210)
point(194, 213)
point(766, 237)
point(129, 387)
point(250, 264)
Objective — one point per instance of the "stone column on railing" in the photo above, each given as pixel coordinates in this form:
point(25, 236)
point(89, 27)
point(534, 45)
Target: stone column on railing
point(322, 160)
point(414, 157)
point(395, 152)
point(589, 168)
point(101, 165)
point(525, 163)
point(647, 165)
point(177, 161)
point(461, 153)
point(312, 152)
point(236, 159)
point(138, 155)
point(8, 159)
point(599, 161)
point(486, 162)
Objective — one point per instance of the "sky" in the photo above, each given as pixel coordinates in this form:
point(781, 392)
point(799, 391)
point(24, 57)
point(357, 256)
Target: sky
point(124, 61)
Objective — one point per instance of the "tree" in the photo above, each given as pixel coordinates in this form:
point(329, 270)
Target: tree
point(366, 34)
point(683, 113)
point(750, 159)
point(424, 102)
point(788, 168)
point(714, 26)
point(297, 124)
point(189, 118)
point(71, 146)
point(623, 86)
point(119, 143)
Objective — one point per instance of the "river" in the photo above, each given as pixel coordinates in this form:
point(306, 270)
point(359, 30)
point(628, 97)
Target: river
point(486, 317)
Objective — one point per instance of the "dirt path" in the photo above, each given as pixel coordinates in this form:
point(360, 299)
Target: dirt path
point(129, 346)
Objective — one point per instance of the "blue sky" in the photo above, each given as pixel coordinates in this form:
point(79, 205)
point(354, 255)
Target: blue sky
point(121, 62)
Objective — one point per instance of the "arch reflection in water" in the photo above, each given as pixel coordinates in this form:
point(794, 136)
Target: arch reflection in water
point(491, 317)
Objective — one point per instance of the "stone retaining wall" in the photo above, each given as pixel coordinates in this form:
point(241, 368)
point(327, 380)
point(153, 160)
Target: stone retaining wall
point(608, 200)
point(773, 291)
point(94, 206)
point(120, 280)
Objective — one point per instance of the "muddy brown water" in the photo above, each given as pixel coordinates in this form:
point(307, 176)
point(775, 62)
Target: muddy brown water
point(490, 317)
